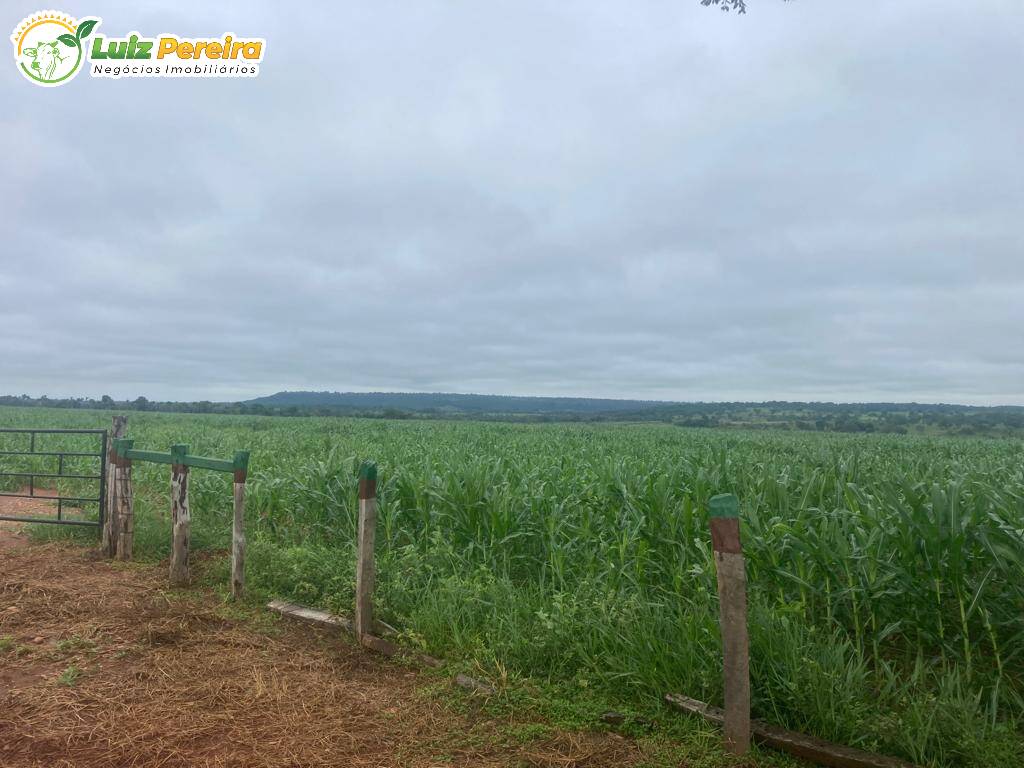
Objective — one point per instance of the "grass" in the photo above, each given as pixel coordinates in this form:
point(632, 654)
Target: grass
point(75, 644)
point(69, 677)
point(886, 604)
point(525, 711)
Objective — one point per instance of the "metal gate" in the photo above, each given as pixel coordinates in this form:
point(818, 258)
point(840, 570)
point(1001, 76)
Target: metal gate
point(43, 454)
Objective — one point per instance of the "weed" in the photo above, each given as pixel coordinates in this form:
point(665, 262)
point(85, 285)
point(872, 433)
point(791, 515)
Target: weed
point(69, 677)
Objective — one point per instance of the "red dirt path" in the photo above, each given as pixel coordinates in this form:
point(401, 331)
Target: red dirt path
point(154, 677)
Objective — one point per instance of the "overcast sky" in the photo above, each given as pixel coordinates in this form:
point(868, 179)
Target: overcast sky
point(820, 200)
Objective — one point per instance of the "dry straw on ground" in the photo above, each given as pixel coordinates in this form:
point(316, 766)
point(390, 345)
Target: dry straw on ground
point(104, 666)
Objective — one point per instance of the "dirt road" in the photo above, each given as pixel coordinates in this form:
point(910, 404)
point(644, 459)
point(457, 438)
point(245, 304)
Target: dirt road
point(102, 665)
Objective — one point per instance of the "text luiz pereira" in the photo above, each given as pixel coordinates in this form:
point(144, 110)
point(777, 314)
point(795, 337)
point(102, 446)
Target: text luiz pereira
point(174, 56)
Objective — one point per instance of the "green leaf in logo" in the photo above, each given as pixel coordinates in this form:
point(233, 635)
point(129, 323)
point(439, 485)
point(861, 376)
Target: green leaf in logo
point(68, 40)
point(85, 28)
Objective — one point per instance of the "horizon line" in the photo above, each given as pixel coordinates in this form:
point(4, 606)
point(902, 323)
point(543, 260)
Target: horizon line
point(530, 397)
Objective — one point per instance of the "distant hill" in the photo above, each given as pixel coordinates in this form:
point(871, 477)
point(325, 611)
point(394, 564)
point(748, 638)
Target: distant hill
point(901, 418)
point(444, 402)
point(897, 418)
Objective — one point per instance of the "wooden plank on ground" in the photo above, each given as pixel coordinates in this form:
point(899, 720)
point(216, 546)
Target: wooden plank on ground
point(324, 619)
point(798, 744)
point(310, 616)
point(474, 685)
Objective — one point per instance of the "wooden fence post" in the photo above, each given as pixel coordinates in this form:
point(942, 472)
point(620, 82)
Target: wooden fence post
point(125, 502)
point(364, 563)
point(110, 509)
point(732, 600)
point(181, 521)
point(241, 462)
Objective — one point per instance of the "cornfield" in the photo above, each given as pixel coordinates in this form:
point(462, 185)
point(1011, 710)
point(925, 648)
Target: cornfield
point(886, 573)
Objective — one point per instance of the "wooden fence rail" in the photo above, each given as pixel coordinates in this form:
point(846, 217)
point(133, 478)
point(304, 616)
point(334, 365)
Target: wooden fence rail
point(180, 461)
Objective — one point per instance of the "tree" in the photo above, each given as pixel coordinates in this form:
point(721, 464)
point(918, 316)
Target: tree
point(740, 6)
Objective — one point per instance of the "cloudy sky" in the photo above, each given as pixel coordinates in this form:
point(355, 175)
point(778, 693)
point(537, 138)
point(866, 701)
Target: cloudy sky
point(821, 199)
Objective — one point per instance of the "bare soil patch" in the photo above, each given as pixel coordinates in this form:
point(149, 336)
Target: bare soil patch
point(102, 665)
point(41, 506)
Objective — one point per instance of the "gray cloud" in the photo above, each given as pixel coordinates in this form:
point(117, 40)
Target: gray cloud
point(813, 201)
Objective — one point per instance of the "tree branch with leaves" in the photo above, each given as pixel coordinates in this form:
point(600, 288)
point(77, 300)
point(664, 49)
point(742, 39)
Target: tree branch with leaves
point(740, 6)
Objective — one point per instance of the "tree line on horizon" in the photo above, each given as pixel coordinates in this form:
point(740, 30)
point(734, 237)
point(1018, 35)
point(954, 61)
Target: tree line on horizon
point(892, 418)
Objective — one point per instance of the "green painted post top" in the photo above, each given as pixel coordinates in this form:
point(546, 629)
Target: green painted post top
point(368, 471)
point(122, 445)
point(178, 454)
point(724, 505)
point(241, 460)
